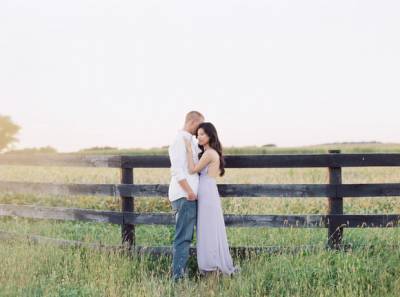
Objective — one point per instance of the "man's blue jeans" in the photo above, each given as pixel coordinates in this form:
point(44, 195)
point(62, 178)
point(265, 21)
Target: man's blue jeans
point(185, 219)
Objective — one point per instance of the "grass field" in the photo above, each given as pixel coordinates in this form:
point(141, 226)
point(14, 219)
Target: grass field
point(45, 270)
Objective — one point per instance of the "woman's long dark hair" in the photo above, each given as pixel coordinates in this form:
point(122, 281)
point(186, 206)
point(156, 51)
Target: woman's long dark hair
point(214, 143)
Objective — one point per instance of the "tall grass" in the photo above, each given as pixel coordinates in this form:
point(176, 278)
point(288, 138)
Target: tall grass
point(371, 268)
point(41, 270)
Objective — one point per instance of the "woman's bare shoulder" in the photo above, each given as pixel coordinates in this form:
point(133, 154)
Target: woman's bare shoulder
point(212, 153)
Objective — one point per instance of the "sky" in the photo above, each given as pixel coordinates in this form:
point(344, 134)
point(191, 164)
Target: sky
point(77, 74)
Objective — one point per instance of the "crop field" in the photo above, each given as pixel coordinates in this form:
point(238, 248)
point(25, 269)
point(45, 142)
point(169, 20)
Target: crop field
point(370, 268)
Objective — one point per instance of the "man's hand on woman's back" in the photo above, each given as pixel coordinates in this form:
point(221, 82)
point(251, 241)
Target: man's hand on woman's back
point(192, 196)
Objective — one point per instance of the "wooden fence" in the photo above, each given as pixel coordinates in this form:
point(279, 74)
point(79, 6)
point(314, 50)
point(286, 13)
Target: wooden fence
point(334, 220)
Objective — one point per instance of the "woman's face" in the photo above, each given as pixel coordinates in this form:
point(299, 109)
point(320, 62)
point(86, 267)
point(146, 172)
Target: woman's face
point(202, 137)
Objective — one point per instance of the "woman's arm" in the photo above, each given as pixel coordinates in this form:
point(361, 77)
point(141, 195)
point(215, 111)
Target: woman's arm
point(204, 160)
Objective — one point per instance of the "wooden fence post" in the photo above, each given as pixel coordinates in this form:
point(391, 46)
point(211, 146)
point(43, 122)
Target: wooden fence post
point(335, 206)
point(127, 204)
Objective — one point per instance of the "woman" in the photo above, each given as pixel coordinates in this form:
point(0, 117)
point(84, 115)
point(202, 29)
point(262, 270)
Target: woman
point(212, 243)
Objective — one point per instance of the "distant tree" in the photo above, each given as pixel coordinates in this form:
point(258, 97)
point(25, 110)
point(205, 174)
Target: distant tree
point(99, 148)
point(8, 130)
point(34, 150)
point(269, 145)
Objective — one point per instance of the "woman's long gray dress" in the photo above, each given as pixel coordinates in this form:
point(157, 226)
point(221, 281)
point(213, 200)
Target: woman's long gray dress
point(212, 243)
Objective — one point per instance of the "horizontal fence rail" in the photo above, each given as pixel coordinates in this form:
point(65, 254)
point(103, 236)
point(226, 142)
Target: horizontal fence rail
point(335, 220)
point(225, 190)
point(167, 250)
point(117, 217)
point(232, 161)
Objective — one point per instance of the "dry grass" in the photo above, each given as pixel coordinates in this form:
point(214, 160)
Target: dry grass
point(31, 270)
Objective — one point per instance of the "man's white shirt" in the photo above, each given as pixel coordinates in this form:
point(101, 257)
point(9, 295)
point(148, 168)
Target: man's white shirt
point(179, 165)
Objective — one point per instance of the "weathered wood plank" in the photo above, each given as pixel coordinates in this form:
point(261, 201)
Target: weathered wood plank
point(232, 161)
point(61, 213)
point(335, 206)
point(225, 190)
point(58, 189)
point(238, 251)
point(368, 190)
point(307, 221)
point(149, 190)
point(67, 160)
point(57, 242)
point(238, 190)
point(275, 190)
point(280, 160)
point(127, 205)
point(145, 161)
point(365, 220)
point(301, 221)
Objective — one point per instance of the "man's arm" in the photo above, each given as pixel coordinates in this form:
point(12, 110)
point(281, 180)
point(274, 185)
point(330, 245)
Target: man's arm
point(177, 155)
point(185, 185)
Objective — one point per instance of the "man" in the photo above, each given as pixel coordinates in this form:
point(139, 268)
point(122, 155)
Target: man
point(182, 193)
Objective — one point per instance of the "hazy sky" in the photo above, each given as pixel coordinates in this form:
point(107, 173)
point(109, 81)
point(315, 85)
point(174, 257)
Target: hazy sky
point(80, 73)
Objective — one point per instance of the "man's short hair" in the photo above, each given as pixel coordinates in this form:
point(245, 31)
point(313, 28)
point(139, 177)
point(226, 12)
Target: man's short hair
point(191, 115)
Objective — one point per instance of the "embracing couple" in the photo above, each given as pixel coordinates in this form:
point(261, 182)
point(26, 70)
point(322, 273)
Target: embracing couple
point(195, 199)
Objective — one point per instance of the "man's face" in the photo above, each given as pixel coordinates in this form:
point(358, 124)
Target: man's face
point(195, 124)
